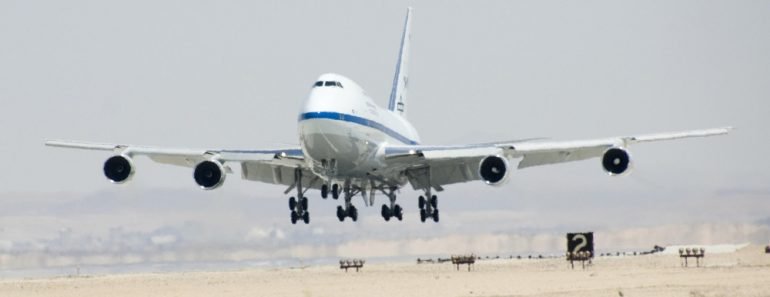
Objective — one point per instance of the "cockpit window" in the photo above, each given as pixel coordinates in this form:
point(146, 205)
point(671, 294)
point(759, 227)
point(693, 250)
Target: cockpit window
point(330, 83)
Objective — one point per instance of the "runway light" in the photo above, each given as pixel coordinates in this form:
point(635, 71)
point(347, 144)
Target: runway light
point(469, 260)
point(697, 253)
point(352, 263)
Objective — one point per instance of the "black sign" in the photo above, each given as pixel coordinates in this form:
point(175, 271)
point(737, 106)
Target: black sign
point(580, 242)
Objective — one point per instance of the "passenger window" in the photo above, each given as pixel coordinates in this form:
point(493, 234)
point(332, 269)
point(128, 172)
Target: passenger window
point(330, 84)
point(318, 84)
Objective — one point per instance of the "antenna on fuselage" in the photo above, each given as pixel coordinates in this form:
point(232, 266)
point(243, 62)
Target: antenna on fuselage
point(397, 101)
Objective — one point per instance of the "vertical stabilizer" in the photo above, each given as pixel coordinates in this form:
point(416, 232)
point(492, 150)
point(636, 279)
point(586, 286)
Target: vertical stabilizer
point(397, 101)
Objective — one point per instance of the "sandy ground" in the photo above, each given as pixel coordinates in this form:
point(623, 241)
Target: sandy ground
point(743, 273)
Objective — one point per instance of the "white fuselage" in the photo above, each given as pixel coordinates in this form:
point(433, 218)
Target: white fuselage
point(343, 126)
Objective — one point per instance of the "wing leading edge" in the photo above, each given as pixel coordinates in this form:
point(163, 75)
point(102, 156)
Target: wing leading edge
point(442, 165)
point(275, 166)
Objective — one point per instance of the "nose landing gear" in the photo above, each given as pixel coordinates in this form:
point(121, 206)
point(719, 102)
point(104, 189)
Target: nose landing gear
point(329, 167)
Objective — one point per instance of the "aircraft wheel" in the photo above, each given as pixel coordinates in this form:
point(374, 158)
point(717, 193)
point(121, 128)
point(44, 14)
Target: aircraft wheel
point(306, 217)
point(434, 201)
point(421, 202)
point(385, 212)
point(294, 217)
point(292, 203)
point(335, 191)
point(435, 215)
point(398, 212)
point(304, 203)
point(353, 213)
point(340, 213)
point(324, 191)
point(422, 215)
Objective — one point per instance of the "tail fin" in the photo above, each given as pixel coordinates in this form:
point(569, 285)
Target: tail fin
point(397, 101)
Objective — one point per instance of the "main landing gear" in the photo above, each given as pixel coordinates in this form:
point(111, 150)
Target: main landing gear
point(349, 211)
point(428, 207)
point(298, 209)
point(394, 210)
point(298, 206)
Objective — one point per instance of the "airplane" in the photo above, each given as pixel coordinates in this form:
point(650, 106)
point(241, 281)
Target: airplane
point(349, 146)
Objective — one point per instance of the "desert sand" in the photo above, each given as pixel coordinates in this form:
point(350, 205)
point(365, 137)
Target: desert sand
point(742, 273)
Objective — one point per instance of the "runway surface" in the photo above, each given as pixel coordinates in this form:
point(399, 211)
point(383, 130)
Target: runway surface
point(743, 273)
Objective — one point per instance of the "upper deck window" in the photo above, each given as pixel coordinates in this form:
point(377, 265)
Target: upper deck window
point(318, 84)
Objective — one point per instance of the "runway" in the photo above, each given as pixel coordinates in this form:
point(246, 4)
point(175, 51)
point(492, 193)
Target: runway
point(743, 273)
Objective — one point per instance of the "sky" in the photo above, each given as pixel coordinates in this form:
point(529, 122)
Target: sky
point(233, 75)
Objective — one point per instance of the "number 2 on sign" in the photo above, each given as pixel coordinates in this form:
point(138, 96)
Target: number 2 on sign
point(582, 244)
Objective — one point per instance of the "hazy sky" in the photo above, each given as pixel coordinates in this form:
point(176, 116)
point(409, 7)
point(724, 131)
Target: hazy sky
point(232, 74)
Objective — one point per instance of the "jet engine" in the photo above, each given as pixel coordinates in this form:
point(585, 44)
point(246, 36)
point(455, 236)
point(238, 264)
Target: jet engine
point(616, 161)
point(119, 169)
point(209, 174)
point(493, 170)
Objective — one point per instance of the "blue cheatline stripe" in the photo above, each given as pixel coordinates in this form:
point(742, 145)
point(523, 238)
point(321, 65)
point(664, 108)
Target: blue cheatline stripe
point(356, 120)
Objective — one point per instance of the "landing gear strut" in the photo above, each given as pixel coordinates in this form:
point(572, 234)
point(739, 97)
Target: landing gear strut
point(298, 206)
point(394, 210)
point(349, 210)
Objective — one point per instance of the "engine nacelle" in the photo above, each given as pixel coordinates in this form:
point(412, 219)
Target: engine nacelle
point(616, 161)
point(493, 170)
point(119, 169)
point(209, 174)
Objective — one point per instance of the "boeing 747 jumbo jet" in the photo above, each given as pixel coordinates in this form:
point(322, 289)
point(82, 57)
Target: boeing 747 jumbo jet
point(349, 146)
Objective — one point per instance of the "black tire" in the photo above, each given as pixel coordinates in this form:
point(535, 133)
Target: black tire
point(421, 202)
point(294, 217)
point(304, 203)
point(434, 201)
point(306, 217)
point(385, 212)
point(398, 212)
point(435, 215)
point(335, 191)
point(324, 191)
point(292, 203)
point(353, 213)
point(422, 215)
point(340, 213)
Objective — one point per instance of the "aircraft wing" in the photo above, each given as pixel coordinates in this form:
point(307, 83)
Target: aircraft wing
point(442, 165)
point(275, 166)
